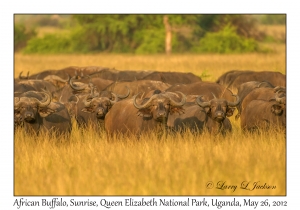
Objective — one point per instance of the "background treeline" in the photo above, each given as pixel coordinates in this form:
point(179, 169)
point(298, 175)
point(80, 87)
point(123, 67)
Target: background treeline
point(143, 34)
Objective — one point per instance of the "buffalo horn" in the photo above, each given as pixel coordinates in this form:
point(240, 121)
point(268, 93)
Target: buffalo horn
point(237, 101)
point(87, 102)
point(202, 104)
point(82, 87)
point(278, 99)
point(45, 102)
point(147, 104)
point(116, 99)
point(94, 92)
point(262, 83)
point(20, 75)
point(124, 96)
point(181, 103)
point(279, 89)
point(214, 95)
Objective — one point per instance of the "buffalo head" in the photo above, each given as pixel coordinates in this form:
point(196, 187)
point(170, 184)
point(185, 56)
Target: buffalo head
point(101, 103)
point(98, 105)
point(159, 106)
point(218, 109)
point(280, 104)
point(28, 108)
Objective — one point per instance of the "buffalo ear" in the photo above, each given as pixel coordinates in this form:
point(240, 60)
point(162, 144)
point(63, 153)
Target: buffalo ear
point(207, 110)
point(230, 111)
point(144, 113)
point(45, 111)
point(176, 109)
point(276, 109)
point(87, 110)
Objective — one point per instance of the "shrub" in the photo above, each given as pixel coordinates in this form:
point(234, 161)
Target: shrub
point(273, 19)
point(21, 36)
point(152, 41)
point(226, 41)
point(50, 43)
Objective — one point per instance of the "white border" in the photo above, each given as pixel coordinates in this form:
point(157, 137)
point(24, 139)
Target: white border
point(187, 6)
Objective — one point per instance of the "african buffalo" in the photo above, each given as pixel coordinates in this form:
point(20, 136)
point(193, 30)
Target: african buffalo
point(150, 114)
point(275, 78)
point(173, 77)
point(91, 109)
point(264, 115)
point(135, 87)
point(57, 81)
point(210, 116)
point(263, 94)
point(233, 79)
point(246, 88)
point(81, 87)
point(38, 114)
point(203, 88)
point(227, 78)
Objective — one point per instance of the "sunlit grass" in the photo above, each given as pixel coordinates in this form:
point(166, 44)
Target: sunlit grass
point(175, 165)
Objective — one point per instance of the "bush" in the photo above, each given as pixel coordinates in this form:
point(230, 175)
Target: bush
point(21, 36)
point(50, 43)
point(152, 41)
point(226, 41)
point(274, 19)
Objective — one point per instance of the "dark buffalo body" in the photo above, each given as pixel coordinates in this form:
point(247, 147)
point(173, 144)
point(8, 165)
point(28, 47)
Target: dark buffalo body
point(233, 79)
point(263, 94)
point(203, 88)
point(139, 86)
point(121, 75)
point(246, 88)
point(275, 78)
point(227, 78)
point(34, 85)
point(264, 115)
point(173, 77)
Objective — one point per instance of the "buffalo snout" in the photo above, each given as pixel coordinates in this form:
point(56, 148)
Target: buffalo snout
point(219, 116)
point(29, 116)
point(161, 116)
point(100, 113)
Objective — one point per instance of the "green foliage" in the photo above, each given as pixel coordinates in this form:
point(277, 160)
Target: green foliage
point(205, 74)
point(226, 41)
point(50, 43)
point(245, 24)
point(21, 36)
point(152, 41)
point(145, 34)
point(273, 19)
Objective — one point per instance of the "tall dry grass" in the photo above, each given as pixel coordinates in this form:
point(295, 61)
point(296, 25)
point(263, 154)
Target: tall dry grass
point(87, 163)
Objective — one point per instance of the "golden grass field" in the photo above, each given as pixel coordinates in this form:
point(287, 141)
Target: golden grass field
point(88, 164)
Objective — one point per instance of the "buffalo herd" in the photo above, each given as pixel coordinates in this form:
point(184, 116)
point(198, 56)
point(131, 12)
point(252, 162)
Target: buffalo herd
point(127, 102)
